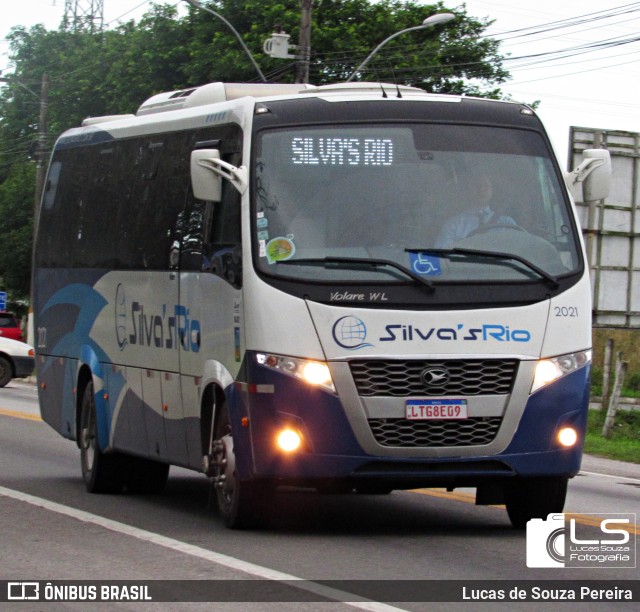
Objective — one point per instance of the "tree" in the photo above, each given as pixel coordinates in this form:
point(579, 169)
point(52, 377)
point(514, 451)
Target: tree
point(16, 219)
point(442, 59)
point(113, 71)
point(451, 59)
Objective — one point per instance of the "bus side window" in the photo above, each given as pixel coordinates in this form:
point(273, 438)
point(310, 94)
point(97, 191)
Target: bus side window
point(148, 207)
point(72, 210)
point(51, 247)
point(222, 233)
point(188, 247)
point(51, 187)
point(97, 244)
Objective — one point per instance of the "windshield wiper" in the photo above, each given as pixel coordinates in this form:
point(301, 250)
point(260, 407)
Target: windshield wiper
point(358, 262)
point(551, 280)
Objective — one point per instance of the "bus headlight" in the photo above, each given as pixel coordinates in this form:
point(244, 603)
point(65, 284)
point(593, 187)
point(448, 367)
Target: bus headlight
point(314, 373)
point(317, 373)
point(548, 370)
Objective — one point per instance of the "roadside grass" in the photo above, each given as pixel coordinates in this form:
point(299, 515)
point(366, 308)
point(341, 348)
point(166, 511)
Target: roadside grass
point(624, 441)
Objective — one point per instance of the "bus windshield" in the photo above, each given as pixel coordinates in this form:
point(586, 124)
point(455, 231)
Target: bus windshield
point(389, 202)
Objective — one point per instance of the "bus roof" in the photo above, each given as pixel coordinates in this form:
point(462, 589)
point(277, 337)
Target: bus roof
point(213, 93)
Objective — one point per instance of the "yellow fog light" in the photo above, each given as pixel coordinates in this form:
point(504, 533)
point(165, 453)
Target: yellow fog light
point(289, 440)
point(567, 436)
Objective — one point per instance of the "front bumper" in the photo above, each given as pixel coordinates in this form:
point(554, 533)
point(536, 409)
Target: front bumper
point(334, 449)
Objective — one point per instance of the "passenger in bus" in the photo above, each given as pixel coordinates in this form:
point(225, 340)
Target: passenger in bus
point(482, 216)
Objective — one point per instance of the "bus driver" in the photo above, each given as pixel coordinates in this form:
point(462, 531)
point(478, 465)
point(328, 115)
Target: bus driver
point(481, 217)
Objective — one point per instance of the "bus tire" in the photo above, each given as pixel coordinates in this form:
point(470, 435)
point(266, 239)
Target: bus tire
point(102, 473)
point(242, 504)
point(145, 476)
point(529, 498)
point(6, 372)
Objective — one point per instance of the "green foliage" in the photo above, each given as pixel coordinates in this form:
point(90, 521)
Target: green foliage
point(16, 215)
point(624, 442)
point(633, 381)
point(112, 72)
point(631, 387)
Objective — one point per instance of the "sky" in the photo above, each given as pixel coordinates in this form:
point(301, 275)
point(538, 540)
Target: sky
point(585, 75)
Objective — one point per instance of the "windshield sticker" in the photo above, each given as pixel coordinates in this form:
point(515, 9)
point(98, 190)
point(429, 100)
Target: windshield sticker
point(280, 249)
point(425, 265)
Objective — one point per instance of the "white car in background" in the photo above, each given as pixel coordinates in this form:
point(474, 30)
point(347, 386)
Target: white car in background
point(17, 360)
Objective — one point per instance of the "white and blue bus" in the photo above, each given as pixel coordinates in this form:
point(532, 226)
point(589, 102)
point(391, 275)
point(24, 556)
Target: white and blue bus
point(358, 287)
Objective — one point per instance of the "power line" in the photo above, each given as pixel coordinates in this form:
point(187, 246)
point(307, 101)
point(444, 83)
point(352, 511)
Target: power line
point(555, 76)
point(570, 22)
point(132, 10)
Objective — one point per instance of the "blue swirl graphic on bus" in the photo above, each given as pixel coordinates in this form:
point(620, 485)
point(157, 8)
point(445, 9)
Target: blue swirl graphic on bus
point(350, 333)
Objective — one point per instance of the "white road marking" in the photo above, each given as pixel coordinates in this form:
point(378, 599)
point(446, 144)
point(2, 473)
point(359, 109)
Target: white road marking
point(610, 476)
point(252, 569)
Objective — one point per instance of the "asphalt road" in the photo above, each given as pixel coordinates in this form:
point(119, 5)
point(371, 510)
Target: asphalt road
point(51, 529)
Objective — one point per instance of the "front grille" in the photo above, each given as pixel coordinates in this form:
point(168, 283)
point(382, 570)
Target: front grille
point(388, 378)
point(406, 434)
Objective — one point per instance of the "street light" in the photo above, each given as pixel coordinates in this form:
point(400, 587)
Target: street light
point(427, 23)
point(221, 18)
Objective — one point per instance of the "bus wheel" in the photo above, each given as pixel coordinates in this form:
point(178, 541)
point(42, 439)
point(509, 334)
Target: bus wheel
point(145, 475)
point(102, 473)
point(242, 504)
point(529, 498)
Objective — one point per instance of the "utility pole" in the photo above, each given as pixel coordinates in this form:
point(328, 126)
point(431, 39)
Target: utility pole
point(40, 155)
point(304, 42)
point(41, 151)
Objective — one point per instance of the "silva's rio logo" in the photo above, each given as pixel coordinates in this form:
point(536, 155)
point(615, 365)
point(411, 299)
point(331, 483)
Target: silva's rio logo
point(168, 328)
point(121, 317)
point(350, 333)
point(486, 333)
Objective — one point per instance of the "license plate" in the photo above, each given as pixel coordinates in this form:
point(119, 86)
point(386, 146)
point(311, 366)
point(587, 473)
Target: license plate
point(441, 409)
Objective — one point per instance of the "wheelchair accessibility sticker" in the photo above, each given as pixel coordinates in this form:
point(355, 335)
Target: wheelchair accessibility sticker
point(426, 265)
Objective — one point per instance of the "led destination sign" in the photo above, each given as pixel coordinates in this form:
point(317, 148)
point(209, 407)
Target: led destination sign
point(344, 151)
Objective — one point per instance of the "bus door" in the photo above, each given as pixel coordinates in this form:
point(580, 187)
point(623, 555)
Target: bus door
point(210, 282)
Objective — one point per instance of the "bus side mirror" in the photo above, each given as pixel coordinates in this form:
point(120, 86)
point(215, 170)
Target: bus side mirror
point(207, 172)
point(593, 174)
